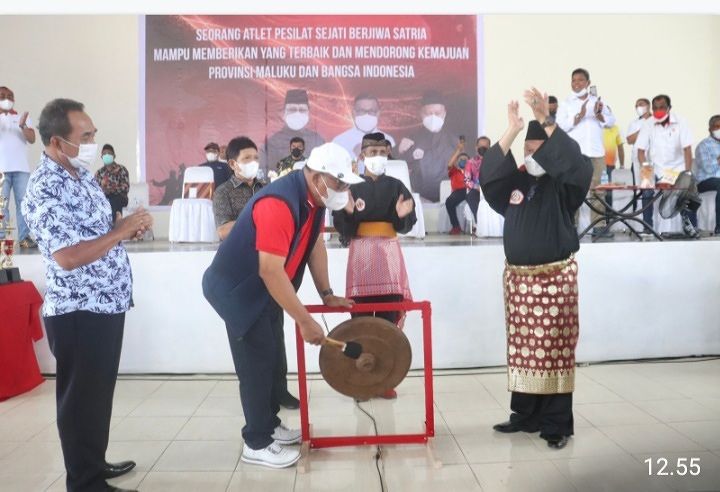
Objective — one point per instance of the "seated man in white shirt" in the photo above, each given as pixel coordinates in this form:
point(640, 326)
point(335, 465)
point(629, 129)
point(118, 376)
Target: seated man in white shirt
point(365, 116)
point(665, 144)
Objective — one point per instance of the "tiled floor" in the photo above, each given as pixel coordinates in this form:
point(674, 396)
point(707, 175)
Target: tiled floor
point(185, 436)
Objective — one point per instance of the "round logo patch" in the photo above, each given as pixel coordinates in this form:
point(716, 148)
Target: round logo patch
point(516, 197)
point(360, 204)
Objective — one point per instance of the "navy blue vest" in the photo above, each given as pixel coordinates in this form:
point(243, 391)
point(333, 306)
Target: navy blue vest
point(232, 284)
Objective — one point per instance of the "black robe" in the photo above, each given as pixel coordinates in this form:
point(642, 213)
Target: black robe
point(539, 212)
point(427, 173)
point(377, 199)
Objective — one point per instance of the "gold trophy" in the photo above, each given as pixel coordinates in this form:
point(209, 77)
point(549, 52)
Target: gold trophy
point(8, 273)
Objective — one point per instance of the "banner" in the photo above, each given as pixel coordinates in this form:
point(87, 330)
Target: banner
point(321, 78)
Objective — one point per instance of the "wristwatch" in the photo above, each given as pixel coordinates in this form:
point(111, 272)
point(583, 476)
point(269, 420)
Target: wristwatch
point(325, 293)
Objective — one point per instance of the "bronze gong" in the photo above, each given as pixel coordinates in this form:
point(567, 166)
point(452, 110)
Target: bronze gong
point(383, 364)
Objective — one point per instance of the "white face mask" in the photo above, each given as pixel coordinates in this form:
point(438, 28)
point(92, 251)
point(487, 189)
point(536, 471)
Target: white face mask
point(296, 120)
point(376, 164)
point(366, 122)
point(533, 168)
point(249, 170)
point(433, 123)
point(87, 153)
point(211, 156)
point(716, 134)
point(6, 104)
point(581, 93)
point(641, 110)
point(336, 200)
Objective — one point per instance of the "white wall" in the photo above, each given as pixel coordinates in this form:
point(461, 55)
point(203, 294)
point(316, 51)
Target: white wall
point(637, 300)
point(94, 59)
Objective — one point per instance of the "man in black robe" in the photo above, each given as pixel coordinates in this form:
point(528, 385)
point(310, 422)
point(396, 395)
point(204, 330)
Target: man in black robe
point(380, 208)
point(538, 200)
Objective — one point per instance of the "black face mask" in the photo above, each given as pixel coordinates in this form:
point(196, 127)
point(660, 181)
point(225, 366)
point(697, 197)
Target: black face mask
point(296, 152)
point(481, 150)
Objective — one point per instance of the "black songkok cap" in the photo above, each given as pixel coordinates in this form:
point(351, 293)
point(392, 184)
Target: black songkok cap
point(535, 131)
point(296, 96)
point(432, 97)
point(373, 139)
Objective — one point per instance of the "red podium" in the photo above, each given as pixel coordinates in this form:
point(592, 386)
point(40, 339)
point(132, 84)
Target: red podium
point(19, 326)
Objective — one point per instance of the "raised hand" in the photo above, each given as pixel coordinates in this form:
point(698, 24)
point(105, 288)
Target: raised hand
point(515, 121)
point(538, 102)
point(405, 144)
point(23, 119)
point(404, 207)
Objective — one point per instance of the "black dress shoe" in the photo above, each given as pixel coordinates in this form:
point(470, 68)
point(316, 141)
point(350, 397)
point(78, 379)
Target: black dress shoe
point(116, 489)
point(557, 442)
point(113, 470)
point(510, 427)
point(290, 402)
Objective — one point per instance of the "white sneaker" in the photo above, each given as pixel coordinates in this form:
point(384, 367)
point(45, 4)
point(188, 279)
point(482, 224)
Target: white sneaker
point(285, 436)
point(273, 456)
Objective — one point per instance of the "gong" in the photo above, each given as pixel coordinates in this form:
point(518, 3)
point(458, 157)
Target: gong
point(383, 364)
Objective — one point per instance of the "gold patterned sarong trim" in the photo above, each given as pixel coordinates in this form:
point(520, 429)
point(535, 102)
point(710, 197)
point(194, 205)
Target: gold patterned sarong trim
point(539, 269)
point(541, 382)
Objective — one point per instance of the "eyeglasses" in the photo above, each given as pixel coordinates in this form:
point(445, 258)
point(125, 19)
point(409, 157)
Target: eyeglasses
point(341, 186)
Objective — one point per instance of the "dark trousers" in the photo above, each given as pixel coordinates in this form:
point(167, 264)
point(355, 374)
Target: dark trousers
point(87, 349)
point(552, 414)
point(473, 199)
point(117, 202)
point(455, 199)
point(711, 184)
point(256, 356)
point(391, 316)
point(608, 195)
point(281, 374)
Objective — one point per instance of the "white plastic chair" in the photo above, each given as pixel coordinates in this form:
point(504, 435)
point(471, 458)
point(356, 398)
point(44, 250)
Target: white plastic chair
point(443, 224)
point(706, 213)
point(192, 219)
point(399, 170)
point(196, 175)
point(489, 222)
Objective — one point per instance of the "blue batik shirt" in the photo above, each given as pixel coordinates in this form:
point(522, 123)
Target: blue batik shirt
point(62, 211)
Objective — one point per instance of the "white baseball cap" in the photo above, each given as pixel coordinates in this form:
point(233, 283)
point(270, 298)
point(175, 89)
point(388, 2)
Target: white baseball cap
point(334, 160)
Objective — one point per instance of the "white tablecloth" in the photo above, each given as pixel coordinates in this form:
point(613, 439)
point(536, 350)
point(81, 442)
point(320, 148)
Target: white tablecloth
point(192, 221)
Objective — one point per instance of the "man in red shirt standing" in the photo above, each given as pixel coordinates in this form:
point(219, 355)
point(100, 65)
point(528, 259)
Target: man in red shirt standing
point(254, 278)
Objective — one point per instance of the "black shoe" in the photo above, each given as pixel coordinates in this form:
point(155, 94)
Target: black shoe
point(557, 442)
point(113, 470)
point(509, 427)
point(717, 231)
point(117, 489)
point(290, 402)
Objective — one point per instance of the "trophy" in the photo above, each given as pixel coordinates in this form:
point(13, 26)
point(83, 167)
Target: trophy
point(8, 273)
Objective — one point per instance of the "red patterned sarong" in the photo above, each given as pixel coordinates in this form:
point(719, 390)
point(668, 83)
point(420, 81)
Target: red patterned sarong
point(541, 314)
point(376, 267)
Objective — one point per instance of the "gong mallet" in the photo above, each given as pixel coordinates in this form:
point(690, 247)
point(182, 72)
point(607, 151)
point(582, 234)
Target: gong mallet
point(350, 349)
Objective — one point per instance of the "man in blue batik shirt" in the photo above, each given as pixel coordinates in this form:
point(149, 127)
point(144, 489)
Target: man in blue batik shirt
point(707, 167)
point(89, 287)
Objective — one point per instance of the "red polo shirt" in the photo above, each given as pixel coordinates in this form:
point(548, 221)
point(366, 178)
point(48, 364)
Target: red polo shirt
point(275, 229)
point(457, 178)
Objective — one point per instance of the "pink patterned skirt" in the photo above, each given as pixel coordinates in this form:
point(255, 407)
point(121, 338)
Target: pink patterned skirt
point(376, 267)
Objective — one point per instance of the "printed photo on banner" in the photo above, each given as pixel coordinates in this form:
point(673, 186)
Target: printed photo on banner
point(313, 79)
